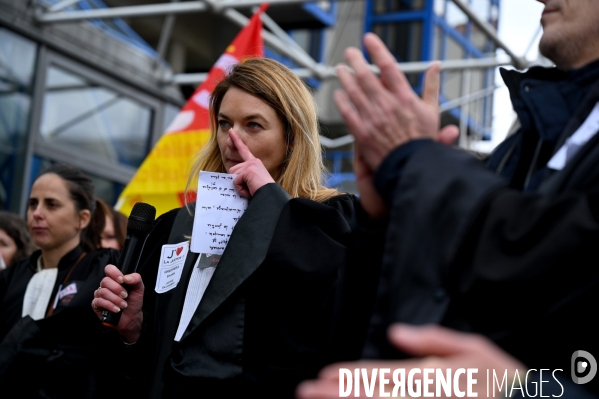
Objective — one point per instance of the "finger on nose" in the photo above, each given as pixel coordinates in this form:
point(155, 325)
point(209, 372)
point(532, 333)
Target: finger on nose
point(238, 133)
point(233, 134)
point(230, 142)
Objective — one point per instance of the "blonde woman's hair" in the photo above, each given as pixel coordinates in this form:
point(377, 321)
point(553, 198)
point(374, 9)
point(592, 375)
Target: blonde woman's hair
point(302, 171)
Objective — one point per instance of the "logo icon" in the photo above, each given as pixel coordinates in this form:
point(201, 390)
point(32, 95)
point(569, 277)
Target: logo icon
point(583, 367)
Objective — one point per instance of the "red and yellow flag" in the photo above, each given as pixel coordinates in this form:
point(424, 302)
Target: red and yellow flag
point(161, 178)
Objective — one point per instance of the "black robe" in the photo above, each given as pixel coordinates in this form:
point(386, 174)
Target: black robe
point(59, 356)
point(265, 321)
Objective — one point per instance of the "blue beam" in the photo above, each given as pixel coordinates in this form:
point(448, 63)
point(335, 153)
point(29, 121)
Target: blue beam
point(470, 48)
point(327, 18)
point(399, 16)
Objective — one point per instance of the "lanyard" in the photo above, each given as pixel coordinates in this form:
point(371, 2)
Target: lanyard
point(64, 281)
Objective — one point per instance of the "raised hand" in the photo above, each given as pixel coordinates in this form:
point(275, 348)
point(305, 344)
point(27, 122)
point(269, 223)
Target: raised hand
point(113, 297)
point(251, 173)
point(385, 113)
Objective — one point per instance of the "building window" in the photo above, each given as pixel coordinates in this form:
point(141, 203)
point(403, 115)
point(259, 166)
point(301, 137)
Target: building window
point(17, 66)
point(404, 39)
point(387, 6)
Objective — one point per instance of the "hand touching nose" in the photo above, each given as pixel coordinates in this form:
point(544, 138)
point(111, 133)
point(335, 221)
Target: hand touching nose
point(251, 173)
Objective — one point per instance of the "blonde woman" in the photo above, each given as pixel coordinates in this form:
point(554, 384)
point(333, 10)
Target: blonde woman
point(263, 322)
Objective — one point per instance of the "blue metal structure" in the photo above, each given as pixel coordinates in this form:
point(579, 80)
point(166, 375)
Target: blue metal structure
point(420, 30)
point(465, 40)
point(385, 16)
point(337, 176)
point(316, 38)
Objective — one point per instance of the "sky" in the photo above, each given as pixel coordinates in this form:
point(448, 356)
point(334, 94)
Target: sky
point(518, 27)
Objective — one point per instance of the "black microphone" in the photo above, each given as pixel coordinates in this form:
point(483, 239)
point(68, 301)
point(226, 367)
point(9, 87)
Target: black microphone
point(139, 224)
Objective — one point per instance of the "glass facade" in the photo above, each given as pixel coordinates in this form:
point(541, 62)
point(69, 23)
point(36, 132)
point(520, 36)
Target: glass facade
point(106, 190)
point(54, 109)
point(93, 119)
point(17, 67)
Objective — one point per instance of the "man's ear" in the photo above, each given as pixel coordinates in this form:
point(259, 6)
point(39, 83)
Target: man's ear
point(84, 218)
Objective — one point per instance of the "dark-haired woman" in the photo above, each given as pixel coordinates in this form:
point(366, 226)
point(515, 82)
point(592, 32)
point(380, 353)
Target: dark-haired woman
point(47, 330)
point(115, 229)
point(15, 241)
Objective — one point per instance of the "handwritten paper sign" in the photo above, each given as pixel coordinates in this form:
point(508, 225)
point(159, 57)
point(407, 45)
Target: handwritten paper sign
point(218, 208)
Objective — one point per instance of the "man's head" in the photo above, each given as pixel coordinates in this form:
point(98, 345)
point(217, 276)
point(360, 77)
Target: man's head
point(570, 32)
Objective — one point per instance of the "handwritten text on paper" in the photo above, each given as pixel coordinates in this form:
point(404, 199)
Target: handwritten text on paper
point(218, 209)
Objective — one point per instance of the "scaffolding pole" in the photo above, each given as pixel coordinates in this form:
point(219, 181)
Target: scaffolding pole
point(490, 31)
point(121, 12)
point(328, 72)
point(151, 9)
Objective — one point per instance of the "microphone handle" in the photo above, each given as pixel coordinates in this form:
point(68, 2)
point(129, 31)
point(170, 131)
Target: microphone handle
point(127, 264)
point(110, 319)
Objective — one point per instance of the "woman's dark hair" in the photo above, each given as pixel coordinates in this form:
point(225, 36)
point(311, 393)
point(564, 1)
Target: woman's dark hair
point(16, 228)
point(83, 194)
point(119, 220)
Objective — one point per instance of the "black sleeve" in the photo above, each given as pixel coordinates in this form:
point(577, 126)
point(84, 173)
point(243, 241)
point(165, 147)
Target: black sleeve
point(358, 278)
point(387, 176)
point(5, 279)
point(305, 260)
point(465, 251)
point(536, 254)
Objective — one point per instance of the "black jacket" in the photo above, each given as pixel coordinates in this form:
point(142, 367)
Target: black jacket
point(468, 249)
